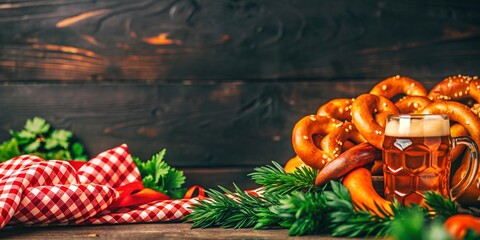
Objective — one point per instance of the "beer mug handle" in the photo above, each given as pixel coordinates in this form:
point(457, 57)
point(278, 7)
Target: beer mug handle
point(472, 169)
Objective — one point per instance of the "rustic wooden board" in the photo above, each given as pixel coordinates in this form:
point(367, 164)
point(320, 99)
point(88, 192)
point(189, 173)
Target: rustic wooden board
point(220, 84)
point(174, 40)
point(150, 231)
point(216, 131)
point(211, 178)
point(214, 124)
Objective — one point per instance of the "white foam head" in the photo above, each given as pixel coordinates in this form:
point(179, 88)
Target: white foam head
point(416, 125)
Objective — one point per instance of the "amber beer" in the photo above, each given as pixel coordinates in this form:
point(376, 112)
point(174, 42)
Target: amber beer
point(416, 155)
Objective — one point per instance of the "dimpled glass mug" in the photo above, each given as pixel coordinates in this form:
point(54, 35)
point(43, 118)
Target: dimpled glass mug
point(416, 157)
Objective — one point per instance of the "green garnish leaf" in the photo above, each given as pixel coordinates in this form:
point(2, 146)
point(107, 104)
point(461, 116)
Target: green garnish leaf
point(37, 125)
point(31, 147)
point(174, 179)
point(149, 182)
point(23, 135)
point(40, 139)
point(8, 149)
point(177, 193)
point(59, 138)
point(77, 149)
point(158, 175)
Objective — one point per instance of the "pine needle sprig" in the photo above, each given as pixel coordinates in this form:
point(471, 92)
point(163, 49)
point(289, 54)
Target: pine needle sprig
point(302, 213)
point(442, 207)
point(228, 209)
point(238, 209)
point(276, 180)
point(413, 222)
point(345, 221)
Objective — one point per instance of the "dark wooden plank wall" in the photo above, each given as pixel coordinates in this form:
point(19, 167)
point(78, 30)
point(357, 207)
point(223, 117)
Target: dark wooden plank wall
point(220, 84)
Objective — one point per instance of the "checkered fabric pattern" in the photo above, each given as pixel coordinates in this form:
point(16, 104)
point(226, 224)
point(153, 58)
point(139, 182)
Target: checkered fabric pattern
point(38, 192)
point(100, 169)
point(171, 210)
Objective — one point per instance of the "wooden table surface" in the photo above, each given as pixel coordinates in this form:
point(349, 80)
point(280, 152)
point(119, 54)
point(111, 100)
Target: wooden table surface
point(145, 231)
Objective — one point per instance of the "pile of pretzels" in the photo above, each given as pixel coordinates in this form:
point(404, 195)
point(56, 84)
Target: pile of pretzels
point(348, 133)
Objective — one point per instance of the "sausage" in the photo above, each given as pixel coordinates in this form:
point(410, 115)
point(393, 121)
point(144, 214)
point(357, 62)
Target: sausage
point(354, 157)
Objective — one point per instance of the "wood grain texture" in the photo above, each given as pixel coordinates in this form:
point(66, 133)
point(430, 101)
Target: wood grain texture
point(211, 124)
point(150, 231)
point(216, 131)
point(220, 84)
point(174, 40)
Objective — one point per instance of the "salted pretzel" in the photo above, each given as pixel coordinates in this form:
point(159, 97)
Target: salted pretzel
point(475, 88)
point(339, 108)
point(303, 139)
point(412, 104)
point(459, 113)
point(395, 85)
point(476, 109)
point(336, 134)
point(333, 142)
point(471, 194)
point(296, 162)
point(365, 110)
point(456, 88)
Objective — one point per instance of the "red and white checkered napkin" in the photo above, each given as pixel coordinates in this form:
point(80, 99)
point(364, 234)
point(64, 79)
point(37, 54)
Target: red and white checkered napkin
point(35, 191)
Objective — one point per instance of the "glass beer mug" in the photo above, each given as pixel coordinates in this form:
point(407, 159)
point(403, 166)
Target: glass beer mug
point(416, 155)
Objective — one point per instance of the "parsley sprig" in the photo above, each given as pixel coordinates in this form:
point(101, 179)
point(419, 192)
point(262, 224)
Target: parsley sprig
point(158, 175)
point(39, 138)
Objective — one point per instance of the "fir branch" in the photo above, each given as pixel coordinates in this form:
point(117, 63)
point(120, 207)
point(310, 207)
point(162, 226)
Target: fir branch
point(228, 209)
point(414, 218)
point(346, 221)
point(443, 207)
point(276, 180)
point(412, 223)
point(239, 210)
point(290, 200)
point(302, 213)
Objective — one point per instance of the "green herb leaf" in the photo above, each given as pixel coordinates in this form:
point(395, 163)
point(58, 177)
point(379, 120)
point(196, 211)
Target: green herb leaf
point(31, 147)
point(51, 143)
point(23, 135)
point(173, 179)
point(77, 149)
point(158, 175)
point(155, 167)
point(149, 182)
point(40, 139)
point(37, 125)
point(59, 138)
point(9, 149)
point(58, 154)
point(177, 193)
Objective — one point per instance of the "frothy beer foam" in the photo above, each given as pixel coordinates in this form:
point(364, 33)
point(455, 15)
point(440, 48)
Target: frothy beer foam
point(432, 126)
